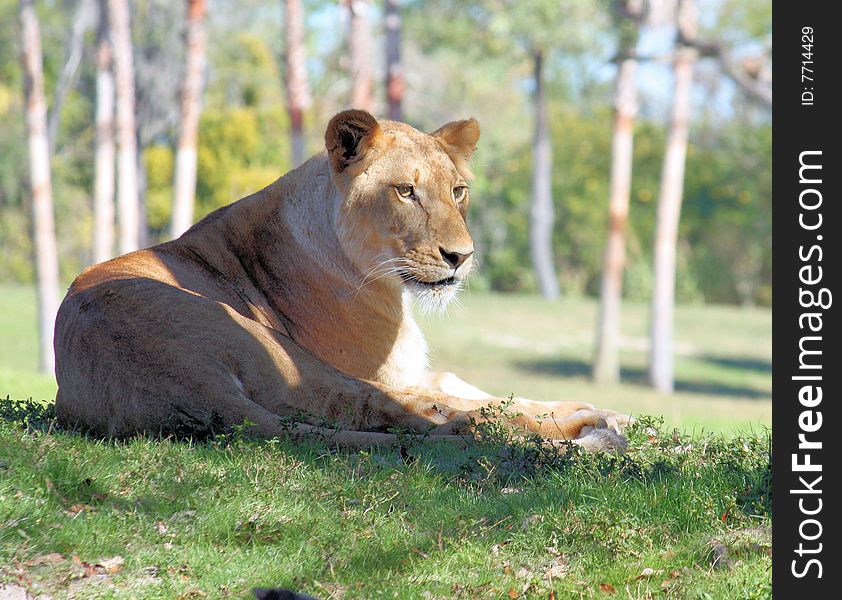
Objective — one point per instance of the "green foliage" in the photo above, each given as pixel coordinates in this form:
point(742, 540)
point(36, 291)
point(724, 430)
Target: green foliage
point(15, 241)
point(738, 21)
point(500, 27)
point(159, 162)
point(238, 154)
point(729, 190)
point(247, 72)
point(16, 247)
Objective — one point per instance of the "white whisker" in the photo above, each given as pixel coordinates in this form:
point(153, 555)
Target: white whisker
point(385, 268)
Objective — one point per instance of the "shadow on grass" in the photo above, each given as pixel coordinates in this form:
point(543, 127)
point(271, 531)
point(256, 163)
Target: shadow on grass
point(741, 364)
point(580, 369)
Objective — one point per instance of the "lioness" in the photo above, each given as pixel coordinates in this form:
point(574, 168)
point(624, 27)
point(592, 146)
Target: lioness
point(295, 302)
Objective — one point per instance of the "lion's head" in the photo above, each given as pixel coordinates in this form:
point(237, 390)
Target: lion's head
point(405, 201)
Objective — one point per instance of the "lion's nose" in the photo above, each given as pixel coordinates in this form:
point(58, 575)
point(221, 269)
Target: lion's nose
point(454, 259)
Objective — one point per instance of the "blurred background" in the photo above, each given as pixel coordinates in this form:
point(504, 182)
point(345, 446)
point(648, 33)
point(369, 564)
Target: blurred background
point(622, 202)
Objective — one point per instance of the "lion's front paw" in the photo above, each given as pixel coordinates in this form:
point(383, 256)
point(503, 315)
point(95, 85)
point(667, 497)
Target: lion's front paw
point(605, 439)
point(592, 428)
point(608, 420)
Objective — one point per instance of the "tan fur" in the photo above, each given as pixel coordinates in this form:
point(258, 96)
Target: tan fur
point(294, 302)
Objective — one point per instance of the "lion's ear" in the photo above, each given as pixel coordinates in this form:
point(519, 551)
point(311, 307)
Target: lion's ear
point(459, 140)
point(350, 136)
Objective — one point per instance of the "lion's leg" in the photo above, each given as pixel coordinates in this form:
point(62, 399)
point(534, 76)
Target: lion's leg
point(450, 384)
point(260, 422)
point(564, 420)
point(360, 413)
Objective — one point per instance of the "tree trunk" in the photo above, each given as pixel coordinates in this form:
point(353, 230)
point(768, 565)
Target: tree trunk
point(661, 366)
point(297, 90)
point(542, 213)
point(184, 186)
point(607, 362)
point(359, 52)
point(104, 177)
point(43, 225)
point(606, 368)
point(128, 202)
point(394, 68)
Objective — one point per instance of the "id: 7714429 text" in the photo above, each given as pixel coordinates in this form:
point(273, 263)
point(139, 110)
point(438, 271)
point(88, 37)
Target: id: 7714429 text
point(807, 94)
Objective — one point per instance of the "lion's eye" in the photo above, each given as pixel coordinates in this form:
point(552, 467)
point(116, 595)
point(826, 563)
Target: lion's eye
point(459, 193)
point(405, 190)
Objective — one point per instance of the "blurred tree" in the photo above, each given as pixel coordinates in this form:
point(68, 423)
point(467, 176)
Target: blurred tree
point(160, 68)
point(191, 108)
point(394, 68)
point(536, 28)
point(542, 213)
point(103, 227)
point(159, 73)
point(297, 88)
point(628, 16)
point(43, 226)
point(82, 21)
point(359, 54)
point(739, 38)
point(661, 362)
point(128, 202)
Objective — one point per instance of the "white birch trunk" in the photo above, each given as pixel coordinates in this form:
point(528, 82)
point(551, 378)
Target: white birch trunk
point(542, 213)
point(128, 200)
point(661, 365)
point(104, 161)
point(43, 224)
point(184, 186)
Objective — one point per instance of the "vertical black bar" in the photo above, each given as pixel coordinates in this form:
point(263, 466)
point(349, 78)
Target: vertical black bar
point(806, 328)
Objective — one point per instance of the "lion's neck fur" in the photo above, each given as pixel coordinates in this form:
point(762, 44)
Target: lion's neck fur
point(364, 328)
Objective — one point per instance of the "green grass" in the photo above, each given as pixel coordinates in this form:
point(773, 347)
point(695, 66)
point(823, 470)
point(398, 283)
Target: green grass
point(217, 518)
point(214, 519)
point(19, 347)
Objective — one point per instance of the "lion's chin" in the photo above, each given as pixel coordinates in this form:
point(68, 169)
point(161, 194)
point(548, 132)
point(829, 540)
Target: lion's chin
point(434, 297)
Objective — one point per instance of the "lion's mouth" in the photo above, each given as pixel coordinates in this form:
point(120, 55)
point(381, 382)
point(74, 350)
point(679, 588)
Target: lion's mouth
point(441, 283)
